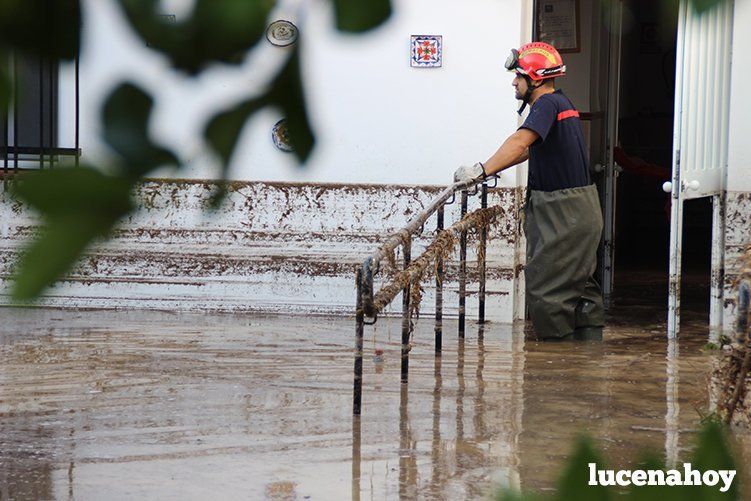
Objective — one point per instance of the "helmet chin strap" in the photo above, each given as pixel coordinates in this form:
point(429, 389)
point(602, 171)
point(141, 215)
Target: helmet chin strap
point(527, 95)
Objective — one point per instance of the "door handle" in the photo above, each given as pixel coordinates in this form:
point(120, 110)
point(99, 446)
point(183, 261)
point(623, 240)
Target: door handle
point(694, 185)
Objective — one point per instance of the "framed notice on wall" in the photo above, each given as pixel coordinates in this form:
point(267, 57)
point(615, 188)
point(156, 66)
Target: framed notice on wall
point(557, 23)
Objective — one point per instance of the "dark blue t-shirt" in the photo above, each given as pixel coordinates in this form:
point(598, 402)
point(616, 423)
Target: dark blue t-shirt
point(558, 159)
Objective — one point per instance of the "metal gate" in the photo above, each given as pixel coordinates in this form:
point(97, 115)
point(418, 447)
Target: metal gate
point(700, 137)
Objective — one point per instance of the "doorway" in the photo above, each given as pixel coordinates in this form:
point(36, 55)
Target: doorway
point(642, 153)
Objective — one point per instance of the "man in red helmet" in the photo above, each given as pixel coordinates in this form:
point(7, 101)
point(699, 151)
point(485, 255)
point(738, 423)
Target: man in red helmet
point(562, 217)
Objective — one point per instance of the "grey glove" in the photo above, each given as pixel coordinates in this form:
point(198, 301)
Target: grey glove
point(469, 173)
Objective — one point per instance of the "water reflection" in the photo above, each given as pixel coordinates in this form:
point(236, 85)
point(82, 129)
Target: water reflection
point(201, 406)
point(672, 433)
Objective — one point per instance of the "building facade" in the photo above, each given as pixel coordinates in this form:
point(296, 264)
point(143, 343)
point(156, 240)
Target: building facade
point(389, 136)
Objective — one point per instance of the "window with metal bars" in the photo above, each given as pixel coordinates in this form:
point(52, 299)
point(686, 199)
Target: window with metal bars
point(29, 127)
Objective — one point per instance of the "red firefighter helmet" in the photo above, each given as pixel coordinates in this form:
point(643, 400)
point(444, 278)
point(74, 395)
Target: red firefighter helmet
point(537, 60)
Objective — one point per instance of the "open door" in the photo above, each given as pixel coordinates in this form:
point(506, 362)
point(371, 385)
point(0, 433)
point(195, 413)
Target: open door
point(700, 132)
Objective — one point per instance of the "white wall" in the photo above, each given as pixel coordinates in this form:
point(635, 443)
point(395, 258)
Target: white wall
point(576, 83)
point(271, 248)
point(739, 147)
point(377, 119)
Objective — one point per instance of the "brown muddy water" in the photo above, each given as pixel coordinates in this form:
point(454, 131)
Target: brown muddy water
point(152, 405)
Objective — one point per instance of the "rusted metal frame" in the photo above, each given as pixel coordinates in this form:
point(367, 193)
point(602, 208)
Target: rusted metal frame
point(481, 258)
point(463, 268)
point(439, 291)
point(406, 321)
point(359, 327)
point(371, 264)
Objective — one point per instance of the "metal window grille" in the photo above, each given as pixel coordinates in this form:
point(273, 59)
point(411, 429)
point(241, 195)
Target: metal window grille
point(29, 135)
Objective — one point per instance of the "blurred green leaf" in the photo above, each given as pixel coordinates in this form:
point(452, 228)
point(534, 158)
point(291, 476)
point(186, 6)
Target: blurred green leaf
point(222, 134)
point(223, 131)
point(126, 118)
point(713, 453)
point(77, 206)
point(508, 495)
point(654, 492)
point(6, 84)
point(705, 5)
point(361, 15)
point(217, 30)
point(42, 27)
point(286, 92)
point(573, 483)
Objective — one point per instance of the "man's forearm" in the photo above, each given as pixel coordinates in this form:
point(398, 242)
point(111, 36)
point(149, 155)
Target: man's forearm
point(513, 151)
point(523, 158)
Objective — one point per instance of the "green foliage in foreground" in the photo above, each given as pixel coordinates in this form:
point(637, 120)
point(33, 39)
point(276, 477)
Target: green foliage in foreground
point(711, 453)
point(79, 206)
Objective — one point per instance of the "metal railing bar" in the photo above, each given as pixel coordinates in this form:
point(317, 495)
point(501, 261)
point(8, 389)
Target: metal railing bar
point(481, 258)
point(406, 321)
point(34, 150)
point(439, 290)
point(387, 293)
point(357, 385)
point(371, 264)
point(463, 268)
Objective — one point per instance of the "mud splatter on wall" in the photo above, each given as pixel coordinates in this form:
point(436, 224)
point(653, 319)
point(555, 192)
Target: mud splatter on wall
point(271, 247)
point(737, 238)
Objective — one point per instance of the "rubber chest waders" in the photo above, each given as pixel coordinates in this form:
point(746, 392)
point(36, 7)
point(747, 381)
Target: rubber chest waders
point(563, 230)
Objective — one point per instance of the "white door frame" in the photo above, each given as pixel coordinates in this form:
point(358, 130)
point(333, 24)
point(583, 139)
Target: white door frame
point(611, 174)
point(700, 140)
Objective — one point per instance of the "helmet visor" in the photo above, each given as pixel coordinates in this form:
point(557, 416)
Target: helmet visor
point(512, 61)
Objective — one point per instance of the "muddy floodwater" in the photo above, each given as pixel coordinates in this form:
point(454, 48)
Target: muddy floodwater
point(158, 405)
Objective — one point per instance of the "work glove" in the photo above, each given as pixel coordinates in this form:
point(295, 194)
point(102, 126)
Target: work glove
point(469, 173)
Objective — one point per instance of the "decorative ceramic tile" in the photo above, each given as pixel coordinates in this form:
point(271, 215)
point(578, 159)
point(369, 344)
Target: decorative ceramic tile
point(427, 51)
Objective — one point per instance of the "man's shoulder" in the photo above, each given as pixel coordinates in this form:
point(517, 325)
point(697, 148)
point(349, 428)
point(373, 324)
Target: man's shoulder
point(551, 100)
point(562, 100)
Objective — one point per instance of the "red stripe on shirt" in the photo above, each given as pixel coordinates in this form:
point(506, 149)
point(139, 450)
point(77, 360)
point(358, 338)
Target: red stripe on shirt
point(567, 114)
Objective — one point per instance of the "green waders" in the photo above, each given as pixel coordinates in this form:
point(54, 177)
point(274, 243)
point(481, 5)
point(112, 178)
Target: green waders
point(563, 230)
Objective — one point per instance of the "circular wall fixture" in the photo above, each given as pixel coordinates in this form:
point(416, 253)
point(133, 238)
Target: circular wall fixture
point(282, 33)
point(280, 136)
